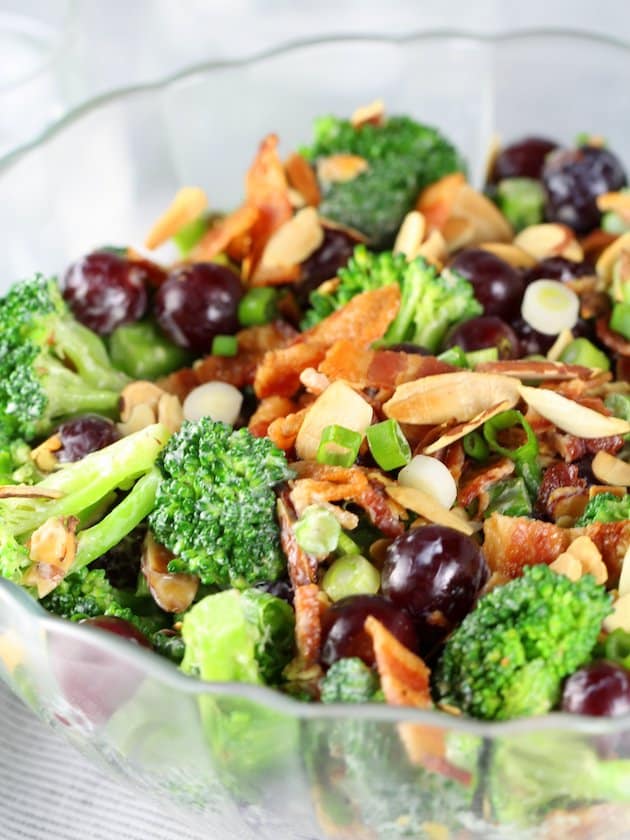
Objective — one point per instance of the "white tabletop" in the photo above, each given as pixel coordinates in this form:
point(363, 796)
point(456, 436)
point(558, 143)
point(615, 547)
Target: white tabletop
point(47, 791)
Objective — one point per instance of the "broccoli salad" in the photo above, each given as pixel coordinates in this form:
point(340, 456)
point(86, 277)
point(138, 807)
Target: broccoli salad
point(364, 440)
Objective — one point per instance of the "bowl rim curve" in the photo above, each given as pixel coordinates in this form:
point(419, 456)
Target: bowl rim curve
point(13, 597)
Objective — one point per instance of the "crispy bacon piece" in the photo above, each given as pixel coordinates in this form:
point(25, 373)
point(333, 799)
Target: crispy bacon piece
point(478, 481)
point(557, 476)
point(268, 410)
point(454, 458)
point(613, 340)
point(308, 625)
point(572, 448)
point(366, 368)
point(512, 542)
point(224, 231)
point(302, 567)
point(284, 430)
point(302, 178)
point(405, 682)
point(279, 371)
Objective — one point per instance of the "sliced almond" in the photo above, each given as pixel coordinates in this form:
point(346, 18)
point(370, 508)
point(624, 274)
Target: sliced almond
point(624, 577)
point(173, 592)
point(534, 369)
point(489, 224)
point(447, 396)
point(372, 113)
point(140, 392)
point(434, 249)
point(294, 241)
point(52, 548)
point(509, 253)
point(570, 416)
point(353, 233)
point(611, 470)
point(462, 429)
point(170, 412)
point(338, 404)
point(606, 262)
point(44, 455)
point(616, 490)
point(301, 178)
point(617, 202)
point(425, 505)
point(436, 201)
point(458, 232)
point(595, 243)
point(338, 169)
point(188, 204)
point(560, 345)
point(620, 618)
point(549, 240)
point(410, 235)
point(28, 491)
point(296, 198)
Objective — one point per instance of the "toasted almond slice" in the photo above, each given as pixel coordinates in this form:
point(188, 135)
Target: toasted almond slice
point(338, 169)
point(424, 505)
point(294, 241)
point(458, 232)
point(618, 202)
point(301, 178)
point(624, 577)
point(596, 489)
point(173, 592)
point(188, 204)
point(296, 198)
point(353, 233)
point(509, 253)
point(28, 491)
point(434, 249)
point(44, 455)
point(488, 222)
point(372, 113)
point(462, 429)
point(560, 345)
point(595, 243)
point(611, 470)
point(447, 396)
point(410, 235)
point(620, 618)
point(572, 417)
point(606, 263)
point(436, 201)
point(534, 369)
point(338, 404)
point(549, 240)
point(140, 392)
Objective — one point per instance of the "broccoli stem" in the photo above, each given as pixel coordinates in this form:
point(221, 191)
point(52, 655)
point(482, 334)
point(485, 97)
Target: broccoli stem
point(136, 506)
point(88, 355)
point(67, 394)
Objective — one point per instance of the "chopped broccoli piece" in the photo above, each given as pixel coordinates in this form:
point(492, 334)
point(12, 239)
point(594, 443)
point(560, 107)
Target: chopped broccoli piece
point(509, 497)
point(51, 366)
point(16, 464)
point(431, 303)
point(619, 405)
point(605, 507)
point(87, 593)
point(350, 681)
point(510, 654)
point(215, 507)
point(531, 775)
point(238, 636)
point(403, 157)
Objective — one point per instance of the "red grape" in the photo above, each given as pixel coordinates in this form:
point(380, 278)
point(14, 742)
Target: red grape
point(558, 268)
point(523, 159)
point(573, 178)
point(485, 331)
point(119, 627)
point(435, 573)
point(198, 302)
point(105, 290)
point(531, 342)
point(409, 347)
point(83, 435)
point(324, 263)
point(498, 286)
point(601, 689)
point(343, 633)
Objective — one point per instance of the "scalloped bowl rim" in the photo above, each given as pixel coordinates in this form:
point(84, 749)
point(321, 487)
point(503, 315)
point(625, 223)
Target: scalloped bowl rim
point(12, 596)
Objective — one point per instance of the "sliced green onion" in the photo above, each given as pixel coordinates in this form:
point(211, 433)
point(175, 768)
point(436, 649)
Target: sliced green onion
point(454, 356)
point(507, 420)
point(475, 446)
point(509, 497)
point(317, 531)
point(430, 476)
point(388, 445)
point(583, 352)
point(257, 306)
point(347, 545)
point(191, 234)
point(351, 575)
point(478, 357)
point(521, 200)
point(224, 345)
point(620, 319)
point(550, 307)
point(338, 446)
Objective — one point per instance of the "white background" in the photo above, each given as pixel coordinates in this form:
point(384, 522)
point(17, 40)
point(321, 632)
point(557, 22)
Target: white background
point(47, 792)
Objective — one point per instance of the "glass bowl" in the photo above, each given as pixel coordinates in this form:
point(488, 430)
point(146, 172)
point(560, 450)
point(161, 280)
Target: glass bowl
point(237, 758)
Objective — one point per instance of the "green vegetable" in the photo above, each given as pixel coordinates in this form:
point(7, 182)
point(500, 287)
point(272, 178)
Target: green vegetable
point(388, 445)
point(317, 531)
point(510, 655)
point(237, 636)
point(620, 319)
point(583, 352)
point(615, 647)
point(50, 365)
point(525, 457)
point(605, 507)
point(350, 681)
point(258, 306)
point(403, 157)
point(478, 357)
point(16, 464)
point(454, 356)
point(475, 446)
point(533, 774)
point(349, 575)
point(431, 303)
point(224, 345)
point(522, 201)
point(191, 234)
point(338, 446)
point(216, 505)
point(509, 497)
point(142, 351)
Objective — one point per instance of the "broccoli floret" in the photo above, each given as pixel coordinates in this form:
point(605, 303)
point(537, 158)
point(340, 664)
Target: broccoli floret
point(216, 505)
point(87, 593)
point(238, 636)
point(431, 303)
point(510, 654)
point(605, 507)
point(16, 464)
point(82, 487)
point(51, 366)
point(350, 681)
point(403, 157)
point(533, 774)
